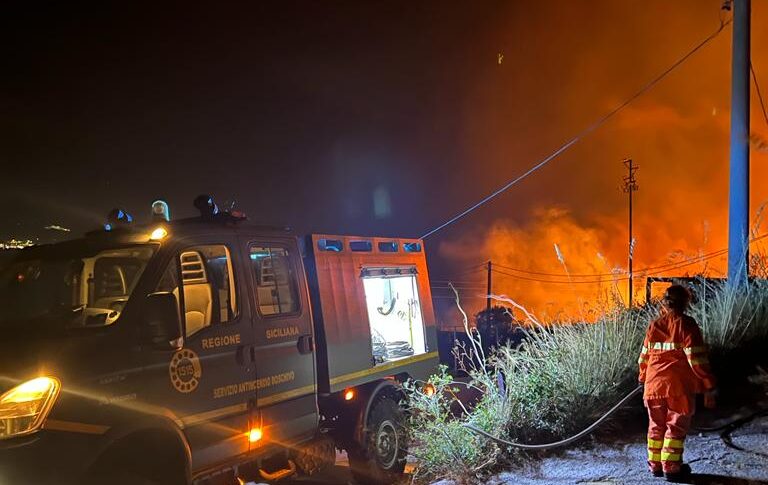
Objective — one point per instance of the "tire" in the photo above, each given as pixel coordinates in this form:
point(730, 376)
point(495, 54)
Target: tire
point(381, 459)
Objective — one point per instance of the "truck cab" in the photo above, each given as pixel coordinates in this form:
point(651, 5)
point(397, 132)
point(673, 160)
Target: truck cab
point(209, 350)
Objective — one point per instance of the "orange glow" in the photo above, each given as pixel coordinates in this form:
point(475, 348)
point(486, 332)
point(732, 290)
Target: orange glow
point(349, 394)
point(677, 133)
point(586, 274)
point(27, 405)
point(255, 435)
point(429, 390)
point(158, 234)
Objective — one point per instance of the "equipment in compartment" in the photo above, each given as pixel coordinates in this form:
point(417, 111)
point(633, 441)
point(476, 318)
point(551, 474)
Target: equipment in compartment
point(394, 313)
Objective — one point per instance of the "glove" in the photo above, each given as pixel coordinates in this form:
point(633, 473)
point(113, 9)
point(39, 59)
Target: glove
point(710, 399)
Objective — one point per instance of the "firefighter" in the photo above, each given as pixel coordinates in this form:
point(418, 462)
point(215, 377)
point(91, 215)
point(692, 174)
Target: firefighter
point(674, 367)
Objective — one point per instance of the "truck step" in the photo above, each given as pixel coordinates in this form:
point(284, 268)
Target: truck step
point(279, 474)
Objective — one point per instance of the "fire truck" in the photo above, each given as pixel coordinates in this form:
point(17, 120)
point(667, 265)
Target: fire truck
point(209, 350)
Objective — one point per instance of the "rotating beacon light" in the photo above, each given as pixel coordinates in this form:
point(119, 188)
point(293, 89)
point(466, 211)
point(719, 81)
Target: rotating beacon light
point(160, 211)
point(117, 217)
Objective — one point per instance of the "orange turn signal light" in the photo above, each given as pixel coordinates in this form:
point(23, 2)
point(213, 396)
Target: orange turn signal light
point(255, 435)
point(349, 394)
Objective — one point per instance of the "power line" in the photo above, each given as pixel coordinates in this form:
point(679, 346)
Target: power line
point(616, 277)
point(759, 94)
point(601, 277)
point(563, 275)
point(662, 267)
point(668, 267)
point(562, 282)
point(447, 287)
point(597, 124)
point(457, 282)
point(463, 297)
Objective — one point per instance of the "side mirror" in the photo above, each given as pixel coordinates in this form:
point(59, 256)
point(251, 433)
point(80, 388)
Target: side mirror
point(162, 320)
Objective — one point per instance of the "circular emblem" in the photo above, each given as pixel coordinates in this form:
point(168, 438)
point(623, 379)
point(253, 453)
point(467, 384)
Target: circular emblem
point(185, 371)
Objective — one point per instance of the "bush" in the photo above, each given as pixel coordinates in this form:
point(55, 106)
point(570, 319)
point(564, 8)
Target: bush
point(557, 382)
point(443, 447)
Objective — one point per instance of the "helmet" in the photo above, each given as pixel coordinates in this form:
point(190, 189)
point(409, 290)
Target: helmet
point(677, 297)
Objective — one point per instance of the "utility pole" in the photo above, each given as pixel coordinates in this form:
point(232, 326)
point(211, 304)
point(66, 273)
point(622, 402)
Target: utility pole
point(738, 190)
point(488, 298)
point(630, 186)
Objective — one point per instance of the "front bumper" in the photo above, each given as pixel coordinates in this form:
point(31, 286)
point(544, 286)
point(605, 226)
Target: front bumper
point(46, 457)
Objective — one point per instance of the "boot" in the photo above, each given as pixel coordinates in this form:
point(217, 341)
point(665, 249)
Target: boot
point(682, 476)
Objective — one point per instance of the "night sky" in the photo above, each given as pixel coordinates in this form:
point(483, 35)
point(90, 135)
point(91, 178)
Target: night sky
point(298, 111)
point(368, 117)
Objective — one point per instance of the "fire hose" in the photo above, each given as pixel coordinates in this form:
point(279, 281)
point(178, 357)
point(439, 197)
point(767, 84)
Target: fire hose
point(561, 443)
point(735, 422)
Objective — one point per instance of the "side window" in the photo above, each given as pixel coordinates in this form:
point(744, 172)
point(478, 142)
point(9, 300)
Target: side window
point(169, 281)
point(209, 286)
point(276, 287)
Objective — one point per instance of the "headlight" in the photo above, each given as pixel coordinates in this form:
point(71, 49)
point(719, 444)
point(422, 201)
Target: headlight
point(24, 408)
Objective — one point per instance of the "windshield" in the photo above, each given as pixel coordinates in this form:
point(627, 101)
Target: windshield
point(84, 289)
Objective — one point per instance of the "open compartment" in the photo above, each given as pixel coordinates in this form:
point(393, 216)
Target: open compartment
point(394, 313)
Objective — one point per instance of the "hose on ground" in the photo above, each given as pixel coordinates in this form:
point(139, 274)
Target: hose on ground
point(736, 421)
point(561, 443)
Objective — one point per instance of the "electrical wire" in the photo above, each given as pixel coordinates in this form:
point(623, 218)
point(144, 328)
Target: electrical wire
point(589, 129)
point(565, 282)
point(608, 280)
point(602, 280)
point(622, 276)
point(759, 94)
point(640, 273)
point(477, 288)
point(575, 275)
point(457, 282)
point(613, 276)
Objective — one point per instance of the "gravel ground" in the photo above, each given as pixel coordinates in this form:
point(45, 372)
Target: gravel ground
point(712, 460)
point(622, 462)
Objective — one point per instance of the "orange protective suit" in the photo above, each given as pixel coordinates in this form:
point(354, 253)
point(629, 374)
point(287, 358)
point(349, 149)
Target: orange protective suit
point(674, 368)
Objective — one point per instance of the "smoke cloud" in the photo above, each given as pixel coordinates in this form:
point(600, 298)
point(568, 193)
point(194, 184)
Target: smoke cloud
point(678, 134)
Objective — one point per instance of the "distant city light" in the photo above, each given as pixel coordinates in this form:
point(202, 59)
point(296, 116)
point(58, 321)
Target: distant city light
point(16, 244)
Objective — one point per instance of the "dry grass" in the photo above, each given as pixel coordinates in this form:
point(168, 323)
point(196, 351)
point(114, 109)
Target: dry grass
point(558, 381)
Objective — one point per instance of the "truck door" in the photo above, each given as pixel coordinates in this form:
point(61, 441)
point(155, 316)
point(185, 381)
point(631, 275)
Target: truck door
point(285, 357)
point(210, 383)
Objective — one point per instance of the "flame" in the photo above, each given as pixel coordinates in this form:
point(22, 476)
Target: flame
point(564, 269)
point(678, 134)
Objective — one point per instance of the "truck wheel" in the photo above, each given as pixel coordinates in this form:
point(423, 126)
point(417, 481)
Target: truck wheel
point(381, 459)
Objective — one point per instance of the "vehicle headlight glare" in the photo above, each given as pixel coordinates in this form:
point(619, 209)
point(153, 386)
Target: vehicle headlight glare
point(24, 408)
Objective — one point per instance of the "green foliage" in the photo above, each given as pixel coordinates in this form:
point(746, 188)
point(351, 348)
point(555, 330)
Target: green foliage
point(442, 445)
point(730, 317)
point(557, 382)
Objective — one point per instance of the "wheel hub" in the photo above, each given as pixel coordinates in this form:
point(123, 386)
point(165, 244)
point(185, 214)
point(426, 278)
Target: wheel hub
point(387, 444)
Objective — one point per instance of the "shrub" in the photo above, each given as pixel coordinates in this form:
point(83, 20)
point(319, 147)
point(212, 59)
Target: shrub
point(557, 382)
